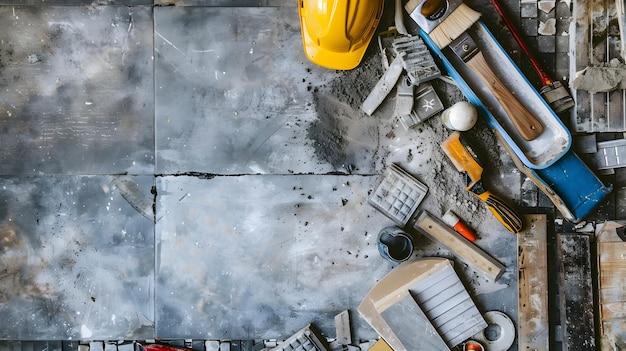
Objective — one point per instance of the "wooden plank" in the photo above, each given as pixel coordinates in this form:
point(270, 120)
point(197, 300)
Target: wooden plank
point(614, 310)
point(576, 292)
point(613, 251)
point(611, 286)
point(532, 265)
point(471, 254)
point(612, 268)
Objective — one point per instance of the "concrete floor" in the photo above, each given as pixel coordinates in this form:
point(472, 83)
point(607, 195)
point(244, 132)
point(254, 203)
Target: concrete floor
point(183, 172)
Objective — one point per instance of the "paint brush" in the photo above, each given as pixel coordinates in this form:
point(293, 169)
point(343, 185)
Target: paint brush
point(446, 23)
point(552, 91)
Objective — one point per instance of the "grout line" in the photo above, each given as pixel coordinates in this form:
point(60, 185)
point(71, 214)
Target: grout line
point(154, 184)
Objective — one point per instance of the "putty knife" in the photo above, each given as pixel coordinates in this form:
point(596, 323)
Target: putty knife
point(465, 160)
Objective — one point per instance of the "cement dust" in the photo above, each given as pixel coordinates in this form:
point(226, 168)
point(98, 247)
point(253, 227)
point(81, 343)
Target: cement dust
point(342, 134)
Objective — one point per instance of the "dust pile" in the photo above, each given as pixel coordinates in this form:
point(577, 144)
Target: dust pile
point(340, 119)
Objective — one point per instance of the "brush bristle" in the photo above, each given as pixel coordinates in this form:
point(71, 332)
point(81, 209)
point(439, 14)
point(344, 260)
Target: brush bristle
point(457, 22)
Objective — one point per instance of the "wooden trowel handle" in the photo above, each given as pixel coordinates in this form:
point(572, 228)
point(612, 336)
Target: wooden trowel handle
point(527, 125)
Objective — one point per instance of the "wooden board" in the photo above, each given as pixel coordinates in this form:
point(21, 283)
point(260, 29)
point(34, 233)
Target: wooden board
point(394, 287)
point(576, 292)
point(611, 257)
point(471, 254)
point(532, 265)
point(422, 304)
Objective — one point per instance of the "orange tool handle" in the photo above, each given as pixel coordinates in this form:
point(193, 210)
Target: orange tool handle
point(464, 230)
point(505, 214)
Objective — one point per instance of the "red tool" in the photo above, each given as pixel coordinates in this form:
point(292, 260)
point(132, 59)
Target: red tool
point(552, 91)
point(450, 218)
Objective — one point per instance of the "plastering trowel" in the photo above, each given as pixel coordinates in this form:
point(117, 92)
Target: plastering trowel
point(465, 160)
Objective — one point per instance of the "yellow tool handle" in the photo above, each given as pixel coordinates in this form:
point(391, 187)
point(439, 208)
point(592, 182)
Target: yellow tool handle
point(505, 214)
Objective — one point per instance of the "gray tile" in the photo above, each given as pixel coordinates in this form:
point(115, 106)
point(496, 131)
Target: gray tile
point(244, 99)
point(562, 10)
point(529, 27)
point(562, 68)
point(260, 256)
point(76, 90)
point(77, 258)
point(546, 44)
point(562, 44)
point(528, 10)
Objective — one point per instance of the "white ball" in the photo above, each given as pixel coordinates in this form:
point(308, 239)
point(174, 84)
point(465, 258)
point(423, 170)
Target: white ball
point(461, 116)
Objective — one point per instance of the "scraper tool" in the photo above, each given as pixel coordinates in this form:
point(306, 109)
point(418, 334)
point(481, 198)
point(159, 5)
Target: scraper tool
point(465, 160)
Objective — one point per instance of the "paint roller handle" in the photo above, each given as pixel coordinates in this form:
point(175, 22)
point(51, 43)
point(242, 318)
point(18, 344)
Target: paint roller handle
point(526, 124)
point(545, 78)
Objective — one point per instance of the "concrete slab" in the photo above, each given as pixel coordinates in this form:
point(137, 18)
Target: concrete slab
point(77, 258)
point(245, 99)
point(256, 257)
point(76, 91)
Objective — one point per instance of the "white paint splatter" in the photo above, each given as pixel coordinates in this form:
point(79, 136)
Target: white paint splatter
point(85, 332)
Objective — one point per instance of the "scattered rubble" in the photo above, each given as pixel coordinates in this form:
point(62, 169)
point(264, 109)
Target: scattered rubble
point(601, 78)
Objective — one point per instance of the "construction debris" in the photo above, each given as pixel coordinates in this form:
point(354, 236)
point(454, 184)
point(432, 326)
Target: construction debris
point(427, 104)
point(383, 87)
point(306, 339)
point(416, 59)
point(601, 78)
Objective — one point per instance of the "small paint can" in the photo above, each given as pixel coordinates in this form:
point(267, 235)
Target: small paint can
point(394, 244)
point(461, 116)
point(473, 346)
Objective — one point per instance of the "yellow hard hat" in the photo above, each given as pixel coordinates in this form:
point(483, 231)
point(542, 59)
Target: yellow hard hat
point(336, 33)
